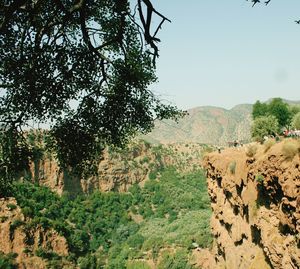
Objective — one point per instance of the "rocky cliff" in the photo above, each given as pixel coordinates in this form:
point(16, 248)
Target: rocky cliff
point(255, 197)
point(29, 243)
point(117, 170)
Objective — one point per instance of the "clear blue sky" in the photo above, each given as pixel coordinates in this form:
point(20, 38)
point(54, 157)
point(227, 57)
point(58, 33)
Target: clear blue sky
point(224, 52)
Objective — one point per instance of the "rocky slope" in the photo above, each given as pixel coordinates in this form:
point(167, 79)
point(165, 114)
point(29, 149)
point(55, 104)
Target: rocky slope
point(118, 169)
point(207, 124)
point(255, 197)
point(28, 243)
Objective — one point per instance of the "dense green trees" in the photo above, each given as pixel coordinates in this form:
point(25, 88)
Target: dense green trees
point(99, 228)
point(271, 118)
point(264, 126)
point(259, 109)
point(296, 121)
point(277, 108)
point(82, 67)
point(280, 110)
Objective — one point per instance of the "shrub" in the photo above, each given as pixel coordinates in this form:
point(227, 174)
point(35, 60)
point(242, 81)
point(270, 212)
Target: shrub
point(27, 212)
point(178, 260)
point(14, 225)
point(7, 261)
point(290, 148)
point(11, 206)
point(232, 167)
point(44, 254)
point(269, 143)
point(136, 241)
point(251, 150)
point(153, 175)
point(137, 265)
point(259, 178)
point(264, 126)
point(296, 121)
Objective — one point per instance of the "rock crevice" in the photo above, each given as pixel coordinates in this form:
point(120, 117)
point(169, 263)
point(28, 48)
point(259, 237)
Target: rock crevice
point(256, 208)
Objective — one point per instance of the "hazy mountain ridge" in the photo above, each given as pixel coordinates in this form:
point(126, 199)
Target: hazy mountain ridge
point(206, 124)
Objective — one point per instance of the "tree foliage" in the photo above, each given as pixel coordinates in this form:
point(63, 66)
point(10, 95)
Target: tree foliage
point(259, 109)
point(296, 121)
point(100, 227)
point(281, 111)
point(264, 126)
point(277, 108)
point(83, 67)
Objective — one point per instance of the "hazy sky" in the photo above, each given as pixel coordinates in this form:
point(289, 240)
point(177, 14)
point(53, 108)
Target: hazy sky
point(224, 52)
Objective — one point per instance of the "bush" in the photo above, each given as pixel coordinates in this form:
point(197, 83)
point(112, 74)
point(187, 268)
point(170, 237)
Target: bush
point(296, 121)
point(44, 254)
point(269, 143)
point(290, 148)
point(12, 206)
point(7, 261)
point(27, 212)
point(259, 178)
point(136, 241)
point(178, 260)
point(264, 126)
point(153, 175)
point(14, 225)
point(251, 150)
point(137, 265)
point(232, 167)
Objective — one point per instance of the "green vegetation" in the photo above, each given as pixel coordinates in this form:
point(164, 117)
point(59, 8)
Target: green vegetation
point(251, 150)
point(7, 261)
point(232, 167)
point(271, 118)
point(178, 260)
point(296, 121)
point(277, 108)
point(41, 76)
point(290, 148)
point(268, 144)
point(100, 228)
point(259, 178)
point(264, 126)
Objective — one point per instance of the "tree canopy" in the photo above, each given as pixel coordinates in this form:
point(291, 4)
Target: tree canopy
point(277, 108)
point(259, 109)
point(296, 121)
point(81, 66)
point(264, 126)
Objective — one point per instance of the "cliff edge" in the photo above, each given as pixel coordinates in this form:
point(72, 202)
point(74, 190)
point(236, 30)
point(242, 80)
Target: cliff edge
point(255, 198)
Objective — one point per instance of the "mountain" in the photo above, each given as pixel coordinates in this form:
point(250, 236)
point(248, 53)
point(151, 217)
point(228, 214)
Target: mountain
point(207, 124)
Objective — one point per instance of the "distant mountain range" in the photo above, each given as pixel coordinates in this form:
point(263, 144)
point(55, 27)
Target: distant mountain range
point(207, 124)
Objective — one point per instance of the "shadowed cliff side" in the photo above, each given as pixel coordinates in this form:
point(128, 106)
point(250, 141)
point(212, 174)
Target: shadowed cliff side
point(117, 170)
point(255, 197)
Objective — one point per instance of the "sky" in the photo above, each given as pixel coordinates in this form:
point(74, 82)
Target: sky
point(224, 52)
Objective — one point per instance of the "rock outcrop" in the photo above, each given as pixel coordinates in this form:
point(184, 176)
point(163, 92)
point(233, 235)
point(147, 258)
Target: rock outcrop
point(256, 208)
point(116, 170)
point(26, 242)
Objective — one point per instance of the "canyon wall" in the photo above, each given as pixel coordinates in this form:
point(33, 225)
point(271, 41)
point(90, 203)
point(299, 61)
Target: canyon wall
point(117, 170)
point(255, 198)
point(26, 241)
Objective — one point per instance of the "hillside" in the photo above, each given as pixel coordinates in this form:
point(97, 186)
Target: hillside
point(210, 125)
point(116, 169)
point(147, 207)
point(254, 194)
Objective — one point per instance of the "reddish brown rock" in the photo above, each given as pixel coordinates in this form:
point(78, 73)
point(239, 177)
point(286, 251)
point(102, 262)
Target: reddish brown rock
point(14, 238)
point(255, 202)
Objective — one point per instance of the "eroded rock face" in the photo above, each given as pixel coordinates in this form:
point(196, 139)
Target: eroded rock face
point(116, 171)
point(15, 238)
point(256, 208)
